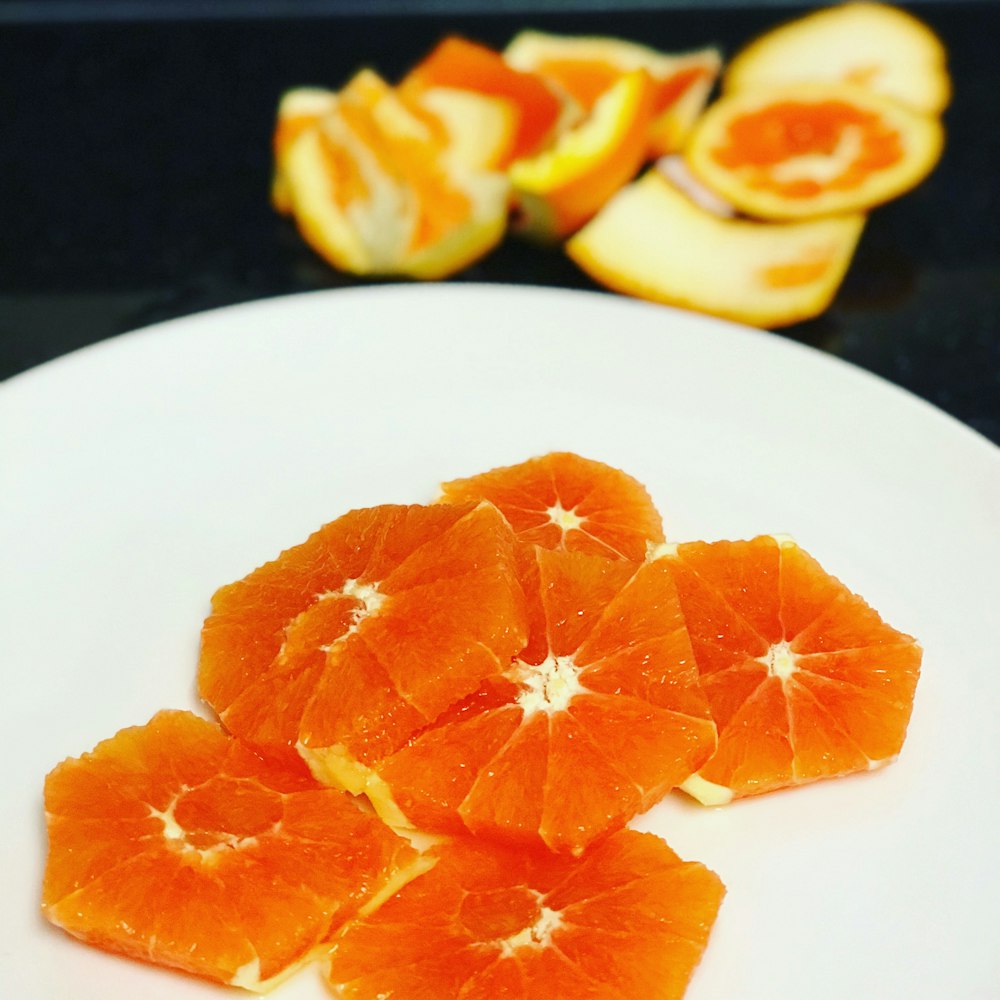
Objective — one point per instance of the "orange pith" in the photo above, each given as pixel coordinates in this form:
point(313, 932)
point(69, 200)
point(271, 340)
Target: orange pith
point(804, 679)
point(172, 843)
point(563, 501)
point(597, 719)
point(760, 141)
point(366, 631)
point(630, 919)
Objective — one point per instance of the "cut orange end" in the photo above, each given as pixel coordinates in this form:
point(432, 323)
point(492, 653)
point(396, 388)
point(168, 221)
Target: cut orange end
point(805, 680)
point(653, 242)
point(598, 718)
point(171, 843)
point(563, 501)
point(586, 67)
point(630, 919)
point(873, 45)
point(465, 65)
point(811, 149)
point(348, 643)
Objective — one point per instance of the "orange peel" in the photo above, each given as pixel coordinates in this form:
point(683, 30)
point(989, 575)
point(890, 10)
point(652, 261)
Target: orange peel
point(298, 110)
point(652, 242)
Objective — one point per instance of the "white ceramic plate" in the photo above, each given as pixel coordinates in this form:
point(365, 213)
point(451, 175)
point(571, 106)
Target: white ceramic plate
point(140, 474)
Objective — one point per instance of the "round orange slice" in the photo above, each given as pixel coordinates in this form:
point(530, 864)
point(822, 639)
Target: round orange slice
point(599, 717)
point(347, 644)
point(873, 45)
point(173, 844)
point(655, 243)
point(586, 67)
point(811, 149)
point(805, 680)
point(563, 501)
point(631, 919)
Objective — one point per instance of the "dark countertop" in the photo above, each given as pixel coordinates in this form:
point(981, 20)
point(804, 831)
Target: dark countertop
point(136, 162)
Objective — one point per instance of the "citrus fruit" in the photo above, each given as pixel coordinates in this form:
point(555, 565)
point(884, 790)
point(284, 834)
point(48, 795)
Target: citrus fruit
point(457, 62)
point(599, 717)
point(172, 843)
point(811, 149)
point(346, 644)
point(558, 189)
point(805, 680)
point(630, 919)
point(374, 190)
point(874, 45)
point(653, 242)
point(564, 501)
point(585, 67)
point(298, 110)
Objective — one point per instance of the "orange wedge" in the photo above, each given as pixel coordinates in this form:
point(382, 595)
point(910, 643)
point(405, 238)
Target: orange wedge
point(585, 67)
point(561, 188)
point(629, 920)
point(651, 241)
point(873, 45)
point(811, 149)
point(298, 110)
point(805, 680)
point(465, 65)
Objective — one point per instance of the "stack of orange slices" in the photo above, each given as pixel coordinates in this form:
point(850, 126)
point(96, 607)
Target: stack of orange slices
point(752, 209)
point(437, 723)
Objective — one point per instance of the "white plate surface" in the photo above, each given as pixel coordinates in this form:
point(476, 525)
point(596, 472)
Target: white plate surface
point(139, 474)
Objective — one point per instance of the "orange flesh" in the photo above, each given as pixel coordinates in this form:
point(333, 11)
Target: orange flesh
point(802, 272)
point(760, 140)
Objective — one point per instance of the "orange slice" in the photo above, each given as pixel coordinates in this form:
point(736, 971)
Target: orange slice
point(171, 843)
point(805, 680)
point(873, 45)
point(596, 720)
point(630, 919)
point(585, 67)
point(298, 110)
point(811, 149)
point(563, 501)
point(559, 189)
point(374, 190)
point(651, 241)
point(347, 644)
point(465, 65)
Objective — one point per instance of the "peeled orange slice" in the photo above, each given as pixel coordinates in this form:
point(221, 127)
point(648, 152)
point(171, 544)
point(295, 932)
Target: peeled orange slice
point(171, 843)
point(347, 644)
point(651, 241)
point(599, 717)
point(563, 501)
point(631, 919)
point(806, 150)
point(873, 45)
point(585, 67)
point(805, 680)
point(298, 110)
point(559, 189)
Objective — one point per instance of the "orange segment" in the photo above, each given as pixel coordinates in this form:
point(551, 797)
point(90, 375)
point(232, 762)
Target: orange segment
point(811, 149)
point(171, 843)
point(630, 919)
point(597, 719)
point(653, 242)
point(563, 501)
point(804, 679)
point(348, 643)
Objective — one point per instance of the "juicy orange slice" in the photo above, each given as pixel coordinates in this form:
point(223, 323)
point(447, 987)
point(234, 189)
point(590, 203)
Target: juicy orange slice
point(631, 919)
point(558, 190)
point(873, 45)
point(563, 501)
point(585, 67)
point(349, 643)
point(651, 241)
point(811, 149)
point(599, 717)
point(171, 843)
point(298, 110)
point(465, 65)
point(805, 680)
